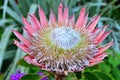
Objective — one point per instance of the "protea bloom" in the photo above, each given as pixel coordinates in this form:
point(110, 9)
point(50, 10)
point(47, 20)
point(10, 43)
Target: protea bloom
point(62, 46)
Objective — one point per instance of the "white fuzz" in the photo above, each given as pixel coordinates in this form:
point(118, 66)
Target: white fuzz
point(65, 37)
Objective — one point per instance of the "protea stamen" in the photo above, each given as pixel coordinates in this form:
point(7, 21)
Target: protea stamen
point(65, 37)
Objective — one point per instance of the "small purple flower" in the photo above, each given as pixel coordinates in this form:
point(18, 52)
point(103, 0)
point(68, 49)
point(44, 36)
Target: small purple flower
point(16, 76)
point(41, 74)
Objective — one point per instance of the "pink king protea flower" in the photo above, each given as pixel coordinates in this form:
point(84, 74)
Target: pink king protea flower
point(62, 46)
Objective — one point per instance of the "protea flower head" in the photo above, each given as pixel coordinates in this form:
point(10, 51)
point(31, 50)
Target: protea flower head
point(63, 45)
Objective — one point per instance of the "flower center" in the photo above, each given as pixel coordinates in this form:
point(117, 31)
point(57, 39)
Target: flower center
point(65, 37)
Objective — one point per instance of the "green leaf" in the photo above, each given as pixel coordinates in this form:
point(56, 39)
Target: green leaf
point(4, 21)
point(23, 7)
point(32, 9)
point(90, 76)
point(10, 53)
point(116, 73)
point(14, 15)
point(24, 63)
point(102, 75)
point(31, 77)
point(114, 60)
point(5, 9)
point(15, 6)
point(4, 41)
point(105, 67)
point(51, 77)
point(108, 6)
point(78, 75)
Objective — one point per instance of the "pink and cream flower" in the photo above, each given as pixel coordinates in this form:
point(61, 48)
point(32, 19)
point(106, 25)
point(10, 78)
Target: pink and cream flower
point(63, 45)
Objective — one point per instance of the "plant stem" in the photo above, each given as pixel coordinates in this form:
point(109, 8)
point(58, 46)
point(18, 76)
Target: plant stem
point(60, 77)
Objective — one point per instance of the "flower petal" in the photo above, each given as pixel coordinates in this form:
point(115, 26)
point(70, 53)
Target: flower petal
point(65, 15)
point(52, 17)
point(105, 47)
point(84, 20)
point(104, 36)
point(72, 20)
point(60, 14)
point(94, 63)
point(34, 22)
point(31, 60)
point(81, 17)
point(28, 26)
point(21, 46)
point(94, 23)
point(102, 55)
point(28, 33)
point(95, 31)
point(101, 33)
point(25, 41)
point(42, 16)
point(98, 57)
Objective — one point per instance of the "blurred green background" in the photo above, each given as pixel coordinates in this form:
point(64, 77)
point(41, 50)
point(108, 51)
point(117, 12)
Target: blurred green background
point(10, 18)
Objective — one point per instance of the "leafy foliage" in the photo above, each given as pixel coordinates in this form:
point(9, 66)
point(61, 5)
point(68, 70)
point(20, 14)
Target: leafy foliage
point(90, 76)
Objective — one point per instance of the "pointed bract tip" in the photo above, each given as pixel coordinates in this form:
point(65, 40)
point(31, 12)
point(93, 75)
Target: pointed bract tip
point(98, 17)
point(84, 8)
point(105, 27)
point(15, 32)
point(60, 6)
point(40, 9)
point(23, 19)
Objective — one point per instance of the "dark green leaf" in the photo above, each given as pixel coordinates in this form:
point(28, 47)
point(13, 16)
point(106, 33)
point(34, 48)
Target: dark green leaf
point(90, 76)
point(51, 77)
point(102, 75)
point(24, 63)
point(78, 75)
point(31, 77)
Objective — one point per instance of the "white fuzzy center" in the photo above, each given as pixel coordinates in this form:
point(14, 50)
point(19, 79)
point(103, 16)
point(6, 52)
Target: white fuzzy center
point(65, 37)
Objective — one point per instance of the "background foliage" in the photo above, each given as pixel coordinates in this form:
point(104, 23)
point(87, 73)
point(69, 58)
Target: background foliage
point(10, 18)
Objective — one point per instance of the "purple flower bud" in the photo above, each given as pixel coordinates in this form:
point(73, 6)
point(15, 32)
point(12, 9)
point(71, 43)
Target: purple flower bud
point(16, 76)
